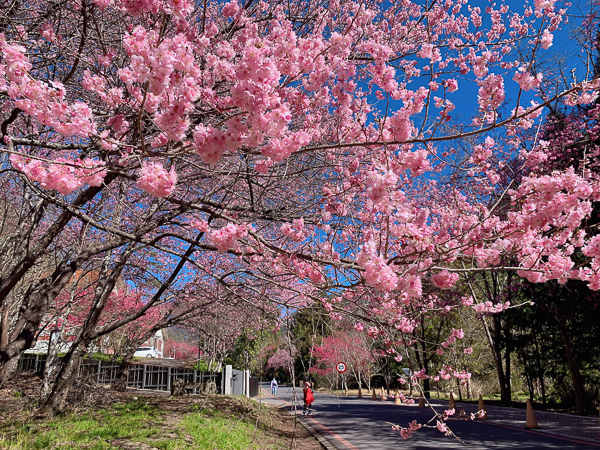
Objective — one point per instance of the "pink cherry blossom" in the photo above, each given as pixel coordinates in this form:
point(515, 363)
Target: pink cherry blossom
point(154, 179)
point(445, 279)
point(226, 238)
point(442, 427)
point(546, 40)
point(526, 80)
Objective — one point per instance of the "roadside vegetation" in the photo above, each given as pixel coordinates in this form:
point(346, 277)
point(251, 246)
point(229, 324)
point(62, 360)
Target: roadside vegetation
point(163, 423)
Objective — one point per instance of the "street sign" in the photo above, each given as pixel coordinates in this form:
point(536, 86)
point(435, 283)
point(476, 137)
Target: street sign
point(341, 367)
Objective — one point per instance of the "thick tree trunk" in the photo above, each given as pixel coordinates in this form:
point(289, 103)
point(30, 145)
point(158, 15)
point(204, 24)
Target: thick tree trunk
point(577, 379)
point(505, 390)
point(52, 364)
point(543, 388)
point(540, 371)
point(529, 381)
point(491, 292)
point(8, 369)
point(503, 371)
point(507, 363)
point(32, 311)
point(120, 383)
point(4, 316)
point(55, 396)
point(427, 387)
point(423, 360)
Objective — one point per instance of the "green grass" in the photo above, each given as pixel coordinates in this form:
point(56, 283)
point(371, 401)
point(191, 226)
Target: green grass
point(83, 431)
point(137, 422)
point(216, 431)
point(103, 357)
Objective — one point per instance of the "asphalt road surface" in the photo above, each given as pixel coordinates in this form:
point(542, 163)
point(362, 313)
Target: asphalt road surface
point(351, 423)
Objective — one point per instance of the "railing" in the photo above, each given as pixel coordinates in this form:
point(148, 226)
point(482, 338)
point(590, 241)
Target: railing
point(31, 363)
point(159, 378)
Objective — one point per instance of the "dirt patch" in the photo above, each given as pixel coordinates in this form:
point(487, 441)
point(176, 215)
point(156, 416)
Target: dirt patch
point(127, 445)
point(20, 396)
point(28, 385)
point(298, 437)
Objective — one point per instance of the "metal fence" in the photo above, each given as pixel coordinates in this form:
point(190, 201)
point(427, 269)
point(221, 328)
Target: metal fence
point(31, 363)
point(145, 376)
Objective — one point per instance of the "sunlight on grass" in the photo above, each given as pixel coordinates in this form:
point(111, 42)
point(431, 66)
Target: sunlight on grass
point(137, 422)
point(93, 431)
point(219, 432)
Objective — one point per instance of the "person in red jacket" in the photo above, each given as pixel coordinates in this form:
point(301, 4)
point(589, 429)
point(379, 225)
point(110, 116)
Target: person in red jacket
point(308, 398)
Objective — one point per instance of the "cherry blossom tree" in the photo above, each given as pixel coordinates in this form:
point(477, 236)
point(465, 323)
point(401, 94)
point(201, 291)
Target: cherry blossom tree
point(181, 350)
point(305, 147)
point(220, 325)
point(352, 348)
point(283, 358)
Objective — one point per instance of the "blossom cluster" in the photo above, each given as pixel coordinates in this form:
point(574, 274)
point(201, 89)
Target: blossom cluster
point(406, 432)
point(156, 180)
point(64, 176)
point(226, 238)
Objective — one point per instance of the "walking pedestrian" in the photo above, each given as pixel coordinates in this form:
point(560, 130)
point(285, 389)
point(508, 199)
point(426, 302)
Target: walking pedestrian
point(308, 398)
point(274, 386)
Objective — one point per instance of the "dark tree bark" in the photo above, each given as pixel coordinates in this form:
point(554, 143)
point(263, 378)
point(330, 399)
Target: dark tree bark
point(55, 395)
point(502, 367)
point(499, 337)
point(120, 382)
point(67, 374)
point(577, 379)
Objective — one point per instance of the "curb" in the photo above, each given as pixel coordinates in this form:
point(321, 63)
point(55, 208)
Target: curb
point(316, 433)
point(310, 428)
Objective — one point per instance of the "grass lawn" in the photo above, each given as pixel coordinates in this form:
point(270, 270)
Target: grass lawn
point(164, 423)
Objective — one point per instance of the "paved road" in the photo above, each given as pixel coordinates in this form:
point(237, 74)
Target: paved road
point(351, 423)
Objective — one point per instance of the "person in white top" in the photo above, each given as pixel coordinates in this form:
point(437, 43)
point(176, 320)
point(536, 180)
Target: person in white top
point(274, 386)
